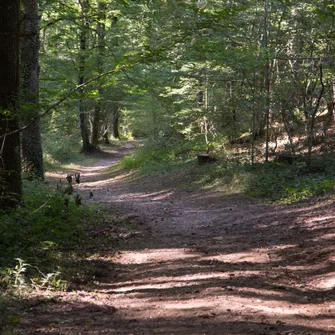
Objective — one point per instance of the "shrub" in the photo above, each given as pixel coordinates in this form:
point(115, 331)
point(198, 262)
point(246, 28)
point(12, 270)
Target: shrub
point(34, 233)
point(60, 148)
point(288, 184)
point(151, 156)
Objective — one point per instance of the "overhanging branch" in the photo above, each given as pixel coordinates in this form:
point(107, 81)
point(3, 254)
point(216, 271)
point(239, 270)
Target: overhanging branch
point(68, 95)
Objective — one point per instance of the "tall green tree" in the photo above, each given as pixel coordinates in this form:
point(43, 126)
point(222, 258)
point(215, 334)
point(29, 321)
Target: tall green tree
point(83, 41)
point(101, 32)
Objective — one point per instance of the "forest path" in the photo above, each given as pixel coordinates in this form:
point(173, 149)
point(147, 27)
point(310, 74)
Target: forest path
point(198, 262)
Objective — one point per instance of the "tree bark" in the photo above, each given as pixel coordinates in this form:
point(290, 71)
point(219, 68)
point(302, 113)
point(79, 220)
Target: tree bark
point(116, 116)
point(100, 56)
point(10, 160)
point(95, 124)
point(105, 138)
point(310, 129)
point(86, 145)
point(32, 154)
point(104, 131)
point(267, 82)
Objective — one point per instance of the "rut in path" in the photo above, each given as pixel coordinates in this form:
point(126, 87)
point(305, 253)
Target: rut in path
point(199, 262)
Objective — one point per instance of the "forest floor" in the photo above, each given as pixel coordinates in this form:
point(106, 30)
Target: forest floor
point(194, 262)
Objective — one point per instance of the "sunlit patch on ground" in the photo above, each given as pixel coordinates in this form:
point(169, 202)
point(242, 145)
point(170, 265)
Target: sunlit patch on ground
point(324, 282)
point(156, 255)
point(254, 256)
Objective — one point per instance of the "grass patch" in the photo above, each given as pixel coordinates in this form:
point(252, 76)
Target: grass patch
point(269, 181)
point(37, 233)
point(159, 157)
point(289, 184)
point(59, 148)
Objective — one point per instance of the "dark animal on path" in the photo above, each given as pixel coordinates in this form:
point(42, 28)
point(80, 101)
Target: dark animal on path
point(77, 178)
point(68, 190)
point(69, 178)
point(77, 199)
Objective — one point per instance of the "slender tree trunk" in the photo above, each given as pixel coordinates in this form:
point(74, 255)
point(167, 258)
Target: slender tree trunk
point(95, 124)
point(253, 121)
point(10, 160)
point(106, 138)
point(233, 109)
point(105, 128)
point(310, 130)
point(116, 115)
point(86, 146)
point(267, 81)
point(100, 57)
point(287, 128)
point(32, 155)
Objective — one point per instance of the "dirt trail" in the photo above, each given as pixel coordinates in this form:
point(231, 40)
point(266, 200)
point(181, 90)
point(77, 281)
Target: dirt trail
point(199, 262)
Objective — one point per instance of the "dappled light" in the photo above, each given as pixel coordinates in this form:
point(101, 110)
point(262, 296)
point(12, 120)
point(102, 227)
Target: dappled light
point(254, 256)
point(167, 167)
point(152, 256)
point(197, 263)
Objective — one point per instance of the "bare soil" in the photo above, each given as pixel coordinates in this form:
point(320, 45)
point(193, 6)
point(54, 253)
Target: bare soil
point(195, 262)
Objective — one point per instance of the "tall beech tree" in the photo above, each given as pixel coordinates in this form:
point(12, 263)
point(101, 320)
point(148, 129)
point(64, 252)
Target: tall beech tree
point(32, 155)
point(101, 32)
point(83, 40)
point(10, 160)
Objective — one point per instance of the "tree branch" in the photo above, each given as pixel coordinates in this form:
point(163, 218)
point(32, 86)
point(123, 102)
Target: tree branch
point(68, 95)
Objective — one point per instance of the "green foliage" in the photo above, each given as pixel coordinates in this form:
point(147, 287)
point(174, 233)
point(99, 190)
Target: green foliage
point(276, 182)
point(35, 234)
point(173, 51)
point(157, 156)
point(270, 182)
point(288, 184)
point(19, 278)
point(59, 149)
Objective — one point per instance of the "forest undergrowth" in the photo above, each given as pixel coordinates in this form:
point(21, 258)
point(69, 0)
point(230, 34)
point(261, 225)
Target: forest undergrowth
point(274, 181)
point(44, 245)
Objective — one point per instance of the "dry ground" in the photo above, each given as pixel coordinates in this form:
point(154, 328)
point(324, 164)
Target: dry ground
point(198, 262)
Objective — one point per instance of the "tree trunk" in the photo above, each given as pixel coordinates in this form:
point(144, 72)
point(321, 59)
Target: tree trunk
point(10, 160)
point(100, 57)
point(32, 155)
point(311, 125)
point(86, 145)
point(104, 131)
point(116, 116)
point(95, 124)
point(287, 129)
point(267, 82)
point(105, 138)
